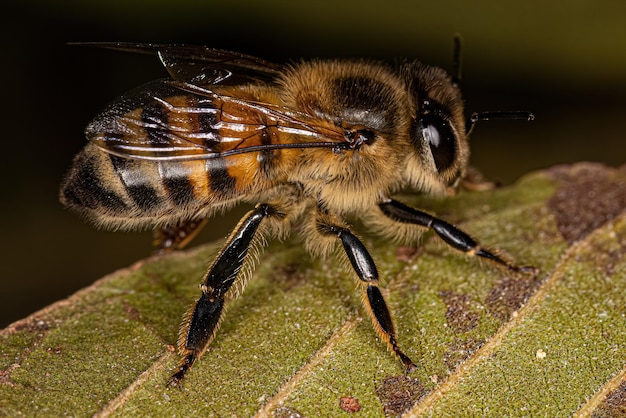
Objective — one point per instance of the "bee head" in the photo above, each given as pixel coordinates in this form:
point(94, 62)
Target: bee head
point(437, 129)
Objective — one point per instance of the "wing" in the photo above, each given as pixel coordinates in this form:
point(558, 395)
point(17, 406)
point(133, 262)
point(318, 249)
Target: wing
point(201, 65)
point(175, 120)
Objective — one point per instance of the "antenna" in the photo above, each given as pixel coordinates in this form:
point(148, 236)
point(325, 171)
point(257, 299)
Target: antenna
point(456, 60)
point(498, 114)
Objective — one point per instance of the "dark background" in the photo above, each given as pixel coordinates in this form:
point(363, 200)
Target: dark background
point(566, 62)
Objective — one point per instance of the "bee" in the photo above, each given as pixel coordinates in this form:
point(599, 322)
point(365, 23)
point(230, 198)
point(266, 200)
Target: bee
point(310, 144)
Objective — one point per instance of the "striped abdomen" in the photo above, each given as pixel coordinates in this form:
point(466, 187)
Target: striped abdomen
point(121, 192)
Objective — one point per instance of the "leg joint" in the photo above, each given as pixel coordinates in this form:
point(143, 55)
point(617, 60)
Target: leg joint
point(326, 229)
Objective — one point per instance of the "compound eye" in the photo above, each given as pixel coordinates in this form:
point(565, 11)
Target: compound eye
point(437, 132)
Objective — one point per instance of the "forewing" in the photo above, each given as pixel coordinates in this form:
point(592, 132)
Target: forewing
point(172, 120)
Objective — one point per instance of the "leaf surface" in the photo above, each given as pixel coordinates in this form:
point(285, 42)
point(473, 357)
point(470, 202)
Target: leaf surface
point(299, 342)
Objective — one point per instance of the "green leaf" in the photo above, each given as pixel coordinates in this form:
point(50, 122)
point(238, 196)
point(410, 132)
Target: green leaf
point(298, 341)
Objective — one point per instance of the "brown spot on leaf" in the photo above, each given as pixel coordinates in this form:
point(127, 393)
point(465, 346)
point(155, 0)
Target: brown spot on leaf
point(459, 351)
point(614, 405)
point(407, 254)
point(131, 311)
point(349, 404)
point(5, 375)
point(509, 294)
point(459, 314)
point(289, 276)
point(589, 196)
point(399, 394)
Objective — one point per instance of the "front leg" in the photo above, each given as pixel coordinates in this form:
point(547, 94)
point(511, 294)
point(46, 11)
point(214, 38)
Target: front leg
point(450, 234)
point(202, 321)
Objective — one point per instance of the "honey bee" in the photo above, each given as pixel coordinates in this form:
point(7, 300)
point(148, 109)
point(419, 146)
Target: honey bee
point(311, 144)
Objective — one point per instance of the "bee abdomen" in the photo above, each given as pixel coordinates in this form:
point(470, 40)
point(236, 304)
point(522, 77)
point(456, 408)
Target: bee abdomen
point(84, 188)
point(123, 192)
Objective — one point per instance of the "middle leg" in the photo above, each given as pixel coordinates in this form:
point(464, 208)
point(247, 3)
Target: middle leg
point(365, 268)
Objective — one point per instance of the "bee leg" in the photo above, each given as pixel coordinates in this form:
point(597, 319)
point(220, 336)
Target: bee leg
point(176, 237)
point(365, 268)
point(202, 320)
point(450, 234)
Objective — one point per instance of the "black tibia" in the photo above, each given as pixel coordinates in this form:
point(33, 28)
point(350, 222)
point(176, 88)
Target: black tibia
point(176, 237)
point(450, 234)
point(384, 323)
point(365, 268)
point(200, 326)
point(359, 257)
